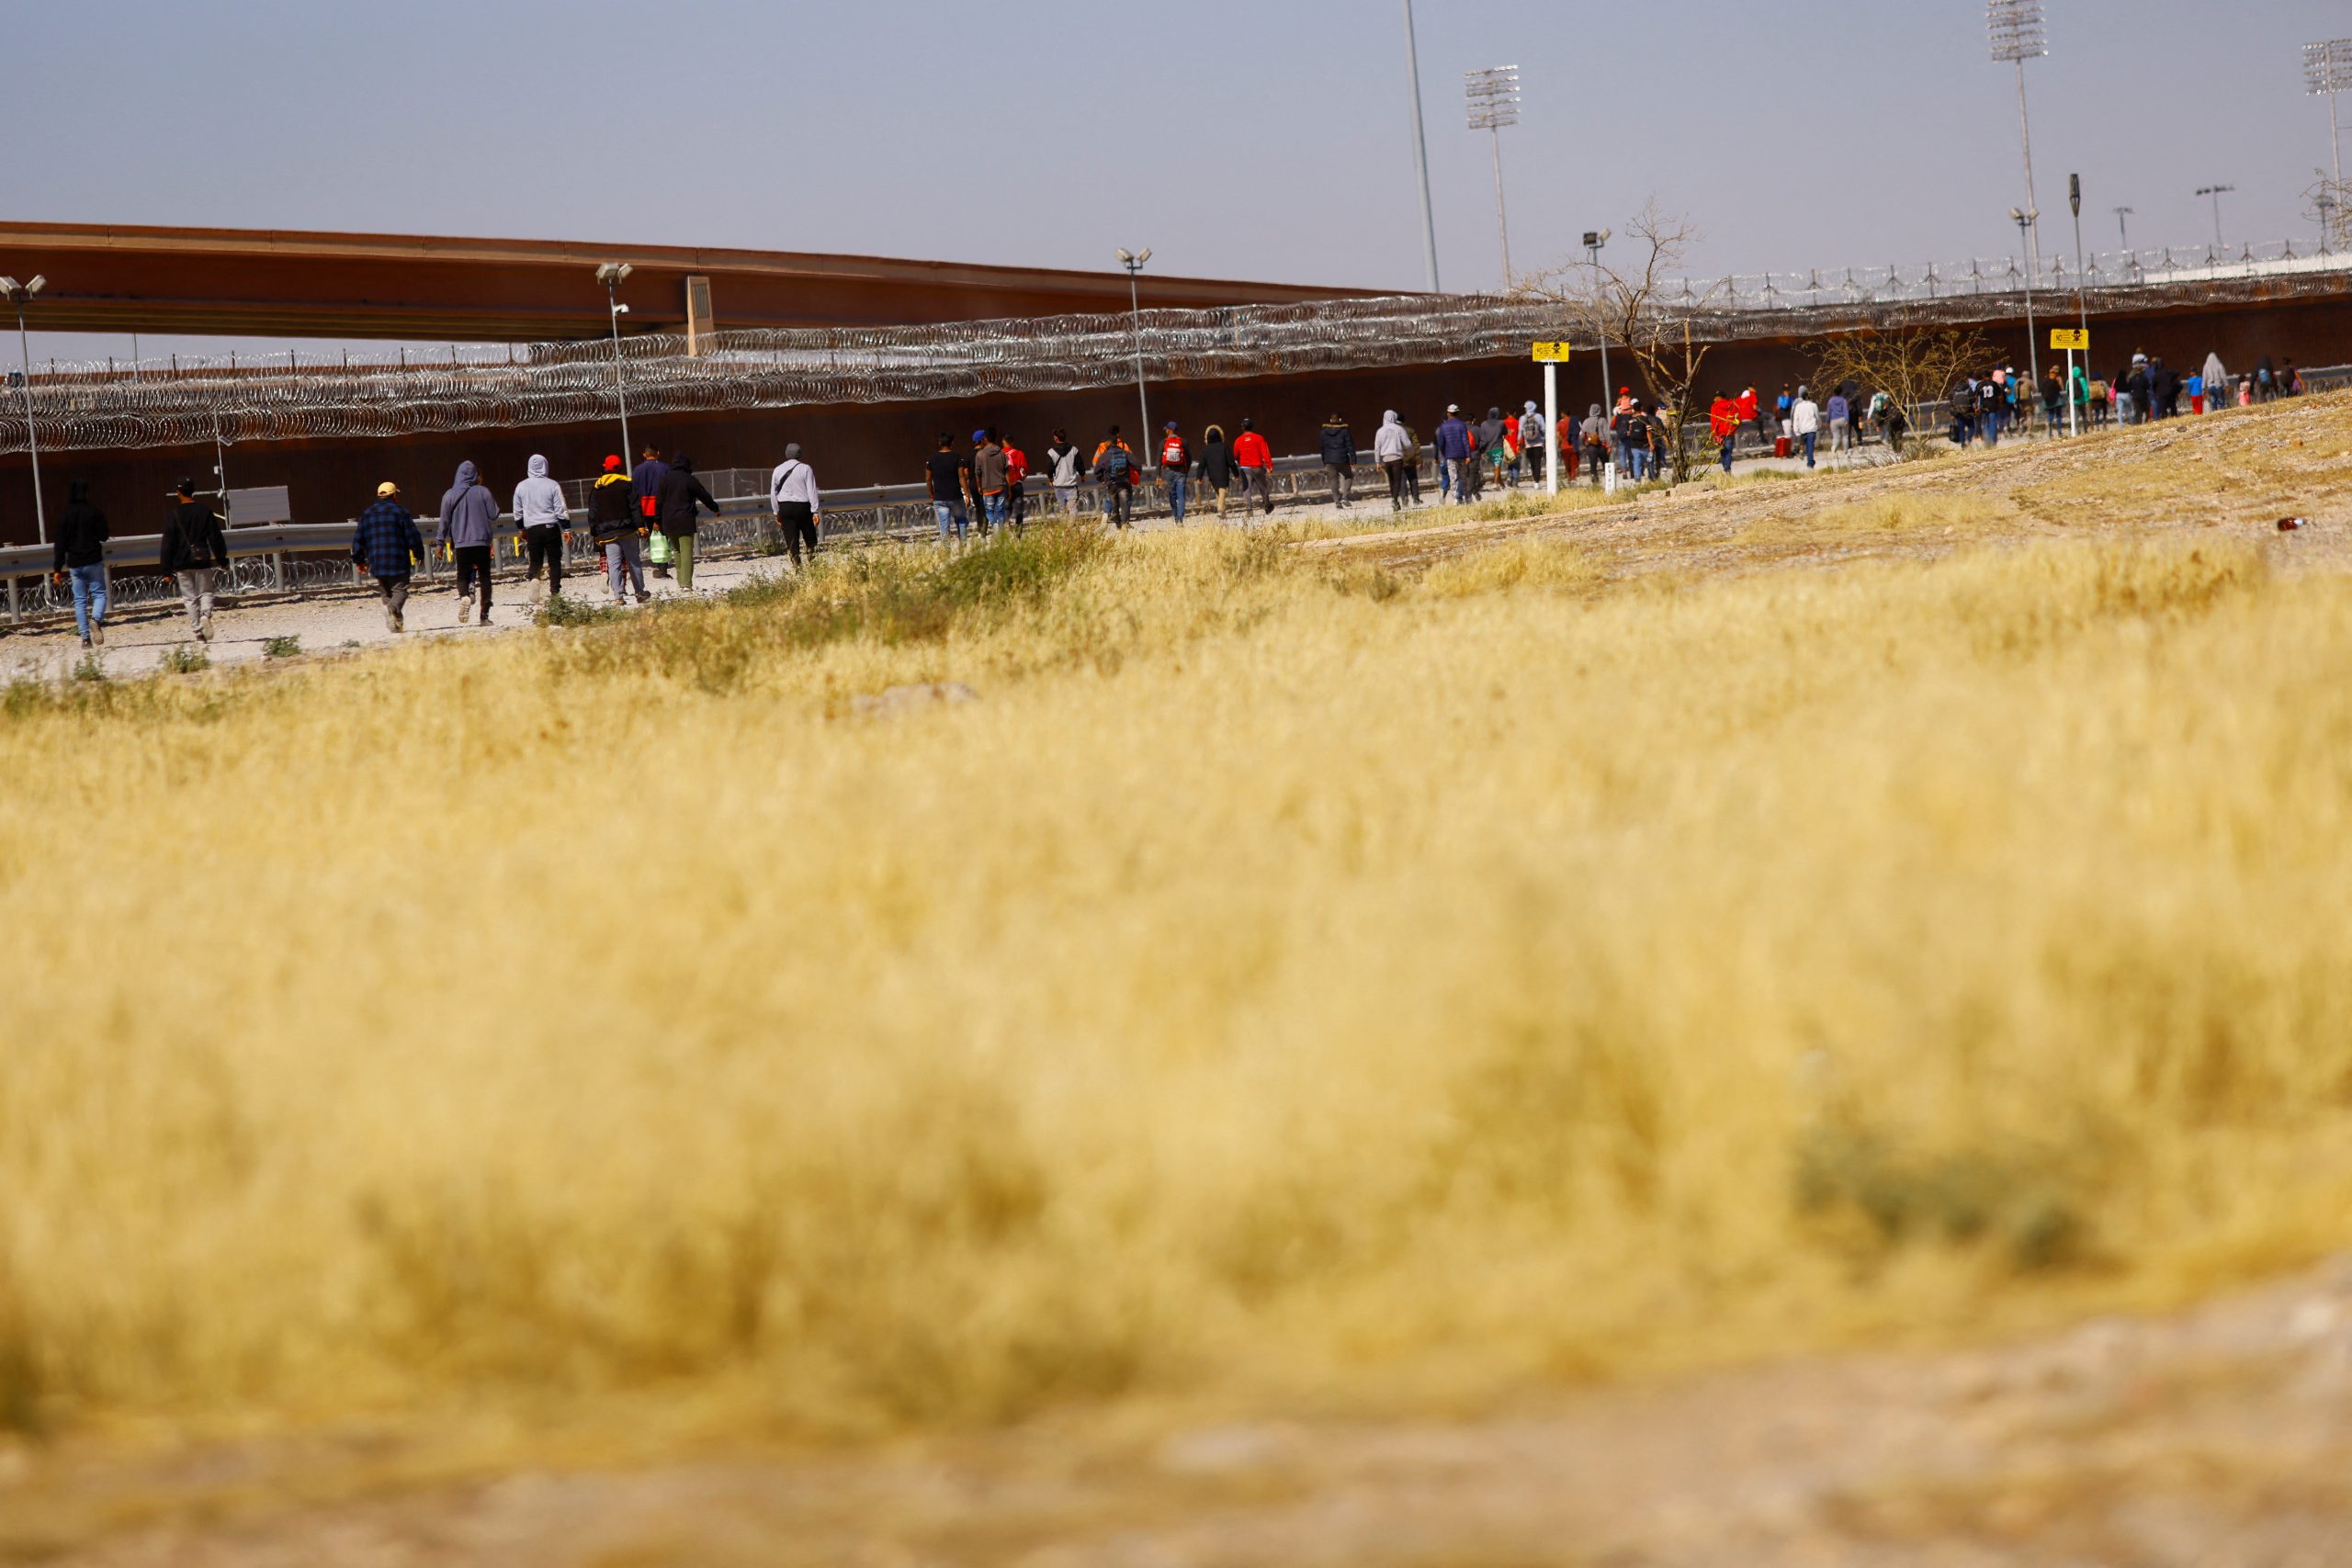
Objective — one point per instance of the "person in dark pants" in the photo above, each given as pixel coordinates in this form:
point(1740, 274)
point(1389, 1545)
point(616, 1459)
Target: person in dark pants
point(1389, 448)
point(793, 490)
point(1017, 480)
point(645, 483)
point(468, 519)
point(1339, 459)
point(543, 514)
point(80, 558)
point(386, 545)
point(617, 528)
point(193, 552)
point(1114, 470)
point(681, 495)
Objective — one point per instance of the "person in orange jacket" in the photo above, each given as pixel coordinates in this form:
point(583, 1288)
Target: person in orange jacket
point(1256, 461)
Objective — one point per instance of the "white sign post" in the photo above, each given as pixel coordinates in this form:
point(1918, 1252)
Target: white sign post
point(1551, 355)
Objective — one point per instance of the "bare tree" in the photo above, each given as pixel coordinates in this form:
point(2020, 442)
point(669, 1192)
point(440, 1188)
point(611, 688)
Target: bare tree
point(1911, 364)
point(1649, 310)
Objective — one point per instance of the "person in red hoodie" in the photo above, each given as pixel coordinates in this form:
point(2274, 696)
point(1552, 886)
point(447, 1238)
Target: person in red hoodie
point(1256, 461)
point(1723, 418)
point(1749, 412)
point(1016, 471)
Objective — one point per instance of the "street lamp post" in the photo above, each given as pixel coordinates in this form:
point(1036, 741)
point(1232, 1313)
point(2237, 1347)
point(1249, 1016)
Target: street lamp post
point(2025, 220)
point(612, 275)
point(20, 294)
point(2216, 192)
point(1420, 149)
point(1492, 95)
point(1133, 262)
point(1593, 240)
point(2014, 29)
point(2082, 309)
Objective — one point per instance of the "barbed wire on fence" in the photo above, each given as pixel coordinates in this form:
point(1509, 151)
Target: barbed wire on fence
point(237, 399)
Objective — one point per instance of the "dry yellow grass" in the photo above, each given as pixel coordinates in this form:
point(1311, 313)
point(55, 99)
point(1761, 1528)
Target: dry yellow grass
point(1268, 988)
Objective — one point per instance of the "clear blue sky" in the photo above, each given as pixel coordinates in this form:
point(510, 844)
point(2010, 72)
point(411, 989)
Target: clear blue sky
point(1239, 137)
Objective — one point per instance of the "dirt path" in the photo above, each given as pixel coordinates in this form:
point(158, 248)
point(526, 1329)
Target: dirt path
point(2219, 1437)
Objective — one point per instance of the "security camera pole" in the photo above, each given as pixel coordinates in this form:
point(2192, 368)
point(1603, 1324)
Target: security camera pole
point(1133, 262)
point(20, 294)
point(612, 275)
point(1593, 240)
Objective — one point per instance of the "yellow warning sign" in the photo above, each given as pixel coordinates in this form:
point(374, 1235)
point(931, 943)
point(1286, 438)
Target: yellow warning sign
point(2070, 337)
point(1550, 354)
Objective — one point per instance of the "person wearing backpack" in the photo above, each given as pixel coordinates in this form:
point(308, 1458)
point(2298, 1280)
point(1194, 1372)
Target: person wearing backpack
point(792, 491)
point(990, 481)
point(1256, 461)
point(194, 549)
point(617, 527)
point(1216, 465)
point(1175, 470)
point(1065, 465)
point(1114, 470)
point(1340, 460)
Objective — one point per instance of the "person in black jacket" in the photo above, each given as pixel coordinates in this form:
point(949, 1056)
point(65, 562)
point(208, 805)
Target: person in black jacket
point(619, 527)
point(681, 494)
point(194, 550)
point(80, 555)
point(1340, 458)
point(1215, 464)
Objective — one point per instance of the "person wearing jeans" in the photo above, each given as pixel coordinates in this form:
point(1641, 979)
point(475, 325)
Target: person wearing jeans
point(469, 517)
point(617, 526)
point(944, 473)
point(193, 550)
point(80, 556)
point(1804, 423)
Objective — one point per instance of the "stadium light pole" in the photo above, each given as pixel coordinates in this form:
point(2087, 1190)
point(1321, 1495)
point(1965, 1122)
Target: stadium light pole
point(1492, 99)
point(2014, 28)
point(1420, 149)
point(2216, 192)
point(1134, 262)
point(21, 295)
point(2327, 70)
point(612, 275)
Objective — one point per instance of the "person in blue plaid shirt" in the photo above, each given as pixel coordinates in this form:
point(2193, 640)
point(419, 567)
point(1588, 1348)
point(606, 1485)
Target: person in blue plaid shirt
point(386, 547)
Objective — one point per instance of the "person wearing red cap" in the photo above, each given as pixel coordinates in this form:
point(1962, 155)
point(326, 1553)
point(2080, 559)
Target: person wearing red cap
point(617, 525)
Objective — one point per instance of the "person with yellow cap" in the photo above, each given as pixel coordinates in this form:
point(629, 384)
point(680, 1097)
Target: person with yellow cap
point(386, 545)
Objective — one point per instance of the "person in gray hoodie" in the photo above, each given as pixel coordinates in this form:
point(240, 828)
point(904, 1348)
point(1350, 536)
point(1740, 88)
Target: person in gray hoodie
point(1389, 448)
point(1531, 445)
point(469, 517)
point(541, 512)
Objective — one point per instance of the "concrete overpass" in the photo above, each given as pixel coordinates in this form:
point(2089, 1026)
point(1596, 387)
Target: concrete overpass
point(290, 282)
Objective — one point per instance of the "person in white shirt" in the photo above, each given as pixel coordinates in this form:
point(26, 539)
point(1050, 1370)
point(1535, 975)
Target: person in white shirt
point(1804, 419)
point(792, 491)
point(1065, 465)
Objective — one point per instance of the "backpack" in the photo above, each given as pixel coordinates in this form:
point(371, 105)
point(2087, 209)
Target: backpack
point(1113, 465)
point(1174, 454)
